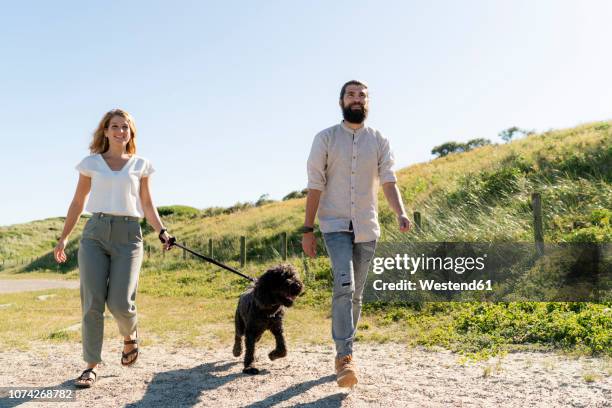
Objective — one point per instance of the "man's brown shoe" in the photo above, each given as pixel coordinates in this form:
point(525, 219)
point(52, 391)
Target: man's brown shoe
point(346, 374)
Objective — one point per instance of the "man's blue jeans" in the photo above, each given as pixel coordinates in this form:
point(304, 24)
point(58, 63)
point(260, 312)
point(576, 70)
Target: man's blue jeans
point(350, 263)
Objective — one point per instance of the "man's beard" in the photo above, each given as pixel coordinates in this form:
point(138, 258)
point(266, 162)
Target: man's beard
point(356, 116)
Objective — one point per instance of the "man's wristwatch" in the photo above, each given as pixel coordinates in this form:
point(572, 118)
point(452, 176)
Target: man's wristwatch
point(305, 229)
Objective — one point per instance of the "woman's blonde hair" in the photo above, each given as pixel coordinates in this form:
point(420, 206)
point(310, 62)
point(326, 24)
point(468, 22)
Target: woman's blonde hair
point(100, 142)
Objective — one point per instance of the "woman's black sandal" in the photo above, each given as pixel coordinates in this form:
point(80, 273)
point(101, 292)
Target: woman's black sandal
point(124, 356)
point(86, 382)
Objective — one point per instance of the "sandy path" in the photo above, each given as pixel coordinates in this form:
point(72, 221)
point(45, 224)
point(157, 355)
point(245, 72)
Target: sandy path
point(24, 285)
point(391, 376)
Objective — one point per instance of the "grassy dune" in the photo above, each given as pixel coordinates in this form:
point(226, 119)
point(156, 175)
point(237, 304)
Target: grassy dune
point(481, 195)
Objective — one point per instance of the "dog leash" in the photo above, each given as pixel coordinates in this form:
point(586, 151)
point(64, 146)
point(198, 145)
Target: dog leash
point(209, 259)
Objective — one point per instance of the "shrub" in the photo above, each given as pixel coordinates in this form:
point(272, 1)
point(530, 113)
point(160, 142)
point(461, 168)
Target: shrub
point(296, 194)
point(178, 210)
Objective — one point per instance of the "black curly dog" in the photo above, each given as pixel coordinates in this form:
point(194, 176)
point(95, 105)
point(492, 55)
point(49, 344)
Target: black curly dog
point(262, 308)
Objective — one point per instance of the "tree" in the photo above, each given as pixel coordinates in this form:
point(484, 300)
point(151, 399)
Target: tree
point(454, 147)
point(448, 148)
point(474, 143)
point(507, 134)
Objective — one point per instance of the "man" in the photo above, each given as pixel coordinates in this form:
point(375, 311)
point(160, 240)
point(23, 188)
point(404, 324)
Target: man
point(346, 164)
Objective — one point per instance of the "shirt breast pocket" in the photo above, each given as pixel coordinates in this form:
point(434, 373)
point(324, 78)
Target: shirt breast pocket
point(368, 156)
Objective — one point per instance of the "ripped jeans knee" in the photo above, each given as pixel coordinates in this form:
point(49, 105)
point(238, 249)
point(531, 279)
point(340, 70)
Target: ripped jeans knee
point(344, 287)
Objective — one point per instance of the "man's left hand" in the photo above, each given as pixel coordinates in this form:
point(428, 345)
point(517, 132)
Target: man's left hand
point(404, 223)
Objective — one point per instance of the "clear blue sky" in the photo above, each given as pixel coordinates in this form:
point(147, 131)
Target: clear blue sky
point(227, 96)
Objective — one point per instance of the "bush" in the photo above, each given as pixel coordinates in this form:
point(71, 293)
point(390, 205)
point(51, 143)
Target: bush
point(178, 210)
point(500, 183)
point(263, 199)
point(594, 163)
point(600, 217)
point(590, 234)
point(560, 324)
point(296, 194)
point(486, 187)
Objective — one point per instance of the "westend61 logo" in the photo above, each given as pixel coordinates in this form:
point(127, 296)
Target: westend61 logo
point(469, 271)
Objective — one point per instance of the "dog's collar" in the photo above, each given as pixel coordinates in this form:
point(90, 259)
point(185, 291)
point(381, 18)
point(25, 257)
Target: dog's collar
point(275, 311)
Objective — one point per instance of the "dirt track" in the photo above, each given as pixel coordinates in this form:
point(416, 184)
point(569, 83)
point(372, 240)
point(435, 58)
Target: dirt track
point(391, 376)
point(24, 285)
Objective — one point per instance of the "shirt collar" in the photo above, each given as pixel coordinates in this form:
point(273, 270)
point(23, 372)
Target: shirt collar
point(348, 129)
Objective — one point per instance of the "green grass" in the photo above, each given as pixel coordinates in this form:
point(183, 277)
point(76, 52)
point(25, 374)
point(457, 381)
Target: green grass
point(481, 195)
point(28, 248)
point(194, 305)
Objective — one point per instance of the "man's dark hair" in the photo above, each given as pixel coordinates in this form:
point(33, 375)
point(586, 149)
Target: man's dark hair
point(351, 82)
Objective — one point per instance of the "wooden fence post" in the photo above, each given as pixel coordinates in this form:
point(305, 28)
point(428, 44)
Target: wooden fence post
point(210, 247)
point(538, 228)
point(242, 251)
point(306, 268)
point(417, 220)
point(284, 245)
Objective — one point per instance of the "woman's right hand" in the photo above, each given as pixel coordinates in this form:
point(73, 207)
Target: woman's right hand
point(58, 251)
point(166, 240)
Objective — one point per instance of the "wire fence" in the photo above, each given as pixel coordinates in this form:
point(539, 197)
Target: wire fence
point(238, 249)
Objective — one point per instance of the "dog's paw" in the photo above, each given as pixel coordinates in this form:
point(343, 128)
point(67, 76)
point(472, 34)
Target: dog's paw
point(237, 350)
point(250, 370)
point(274, 354)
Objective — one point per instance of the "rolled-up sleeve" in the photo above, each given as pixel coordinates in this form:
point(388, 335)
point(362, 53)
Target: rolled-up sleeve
point(386, 161)
point(147, 169)
point(84, 167)
point(316, 165)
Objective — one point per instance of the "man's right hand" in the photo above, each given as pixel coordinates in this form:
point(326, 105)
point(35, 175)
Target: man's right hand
point(309, 244)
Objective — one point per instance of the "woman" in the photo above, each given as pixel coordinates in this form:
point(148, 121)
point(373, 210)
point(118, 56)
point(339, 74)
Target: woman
point(111, 249)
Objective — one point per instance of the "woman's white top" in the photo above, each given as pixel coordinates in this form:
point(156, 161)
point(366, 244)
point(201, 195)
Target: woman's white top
point(115, 192)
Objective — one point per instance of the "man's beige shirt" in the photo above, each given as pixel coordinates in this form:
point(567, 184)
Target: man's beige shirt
point(348, 166)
